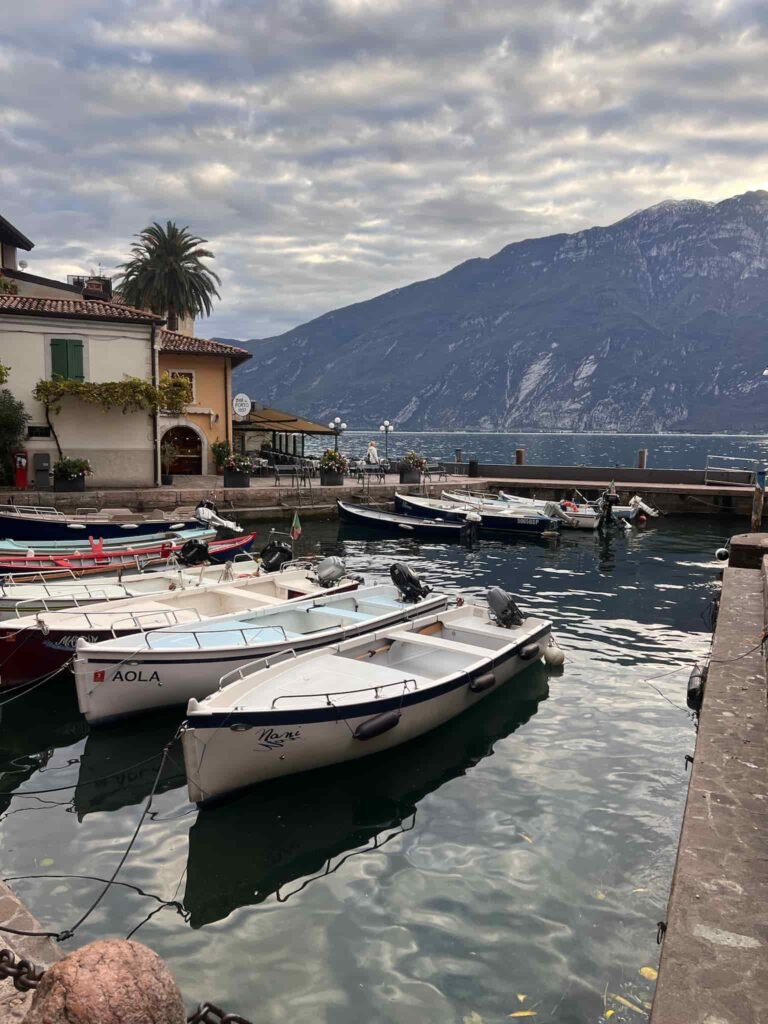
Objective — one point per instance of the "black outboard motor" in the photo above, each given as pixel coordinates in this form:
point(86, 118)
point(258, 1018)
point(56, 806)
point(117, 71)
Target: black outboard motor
point(503, 608)
point(194, 552)
point(330, 571)
point(207, 503)
point(407, 582)
point(275, 555)
point(605, 503)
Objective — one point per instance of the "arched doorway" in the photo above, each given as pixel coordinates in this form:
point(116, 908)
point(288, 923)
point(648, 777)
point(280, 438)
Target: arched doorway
point(190, 450)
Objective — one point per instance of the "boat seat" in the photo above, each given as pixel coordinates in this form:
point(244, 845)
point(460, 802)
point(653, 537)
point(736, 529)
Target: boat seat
point(442, 643)
point(342, 613)
point(385, 602)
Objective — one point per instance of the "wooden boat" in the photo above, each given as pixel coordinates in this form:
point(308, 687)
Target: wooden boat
point(167, 666)
point(390, 522)
point(36, 523)
point(496, 521)
point(98, 560)
point(628, 512)
point(27, 593)
point(363, 696)
point(33, 647)
point(572, 516)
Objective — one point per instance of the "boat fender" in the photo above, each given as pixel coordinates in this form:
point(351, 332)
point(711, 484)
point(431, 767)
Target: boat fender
point(482, 683)
point(722, 554)
point(553, 655)
point(696, 683)
point(377, 725)
point(529, 652)
point(503, 608)
point(407, 582)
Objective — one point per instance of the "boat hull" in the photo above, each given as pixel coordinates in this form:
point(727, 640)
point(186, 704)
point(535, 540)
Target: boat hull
point(114, 685)
point(220, 758)
point(366, 518)
point(38, 529)
point(490, 522)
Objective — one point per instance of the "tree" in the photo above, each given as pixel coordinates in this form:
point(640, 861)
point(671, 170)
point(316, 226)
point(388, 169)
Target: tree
point(13, 427)
point(166, 274)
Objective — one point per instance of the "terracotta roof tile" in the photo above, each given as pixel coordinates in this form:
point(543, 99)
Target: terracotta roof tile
point(76, 308)
point(172, 341)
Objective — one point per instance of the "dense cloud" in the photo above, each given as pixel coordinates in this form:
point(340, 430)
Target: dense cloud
point(333, 149)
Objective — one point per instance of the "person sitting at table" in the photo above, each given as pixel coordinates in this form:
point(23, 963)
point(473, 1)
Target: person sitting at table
point(372, 455)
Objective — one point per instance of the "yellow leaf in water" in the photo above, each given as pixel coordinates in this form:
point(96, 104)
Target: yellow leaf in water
point(609, 1014)
point(626, 1002)
point(600, 895)
point(523, 1013)
point(47, 862)
point(639, 890)
point(650, 973)
point(525, 837)
point(521, 997)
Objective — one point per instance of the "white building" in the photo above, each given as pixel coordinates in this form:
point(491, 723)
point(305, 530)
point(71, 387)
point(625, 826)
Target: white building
point(84, 339)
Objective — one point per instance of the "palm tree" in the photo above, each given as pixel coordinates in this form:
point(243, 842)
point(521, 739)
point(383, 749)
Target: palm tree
point(165, 274)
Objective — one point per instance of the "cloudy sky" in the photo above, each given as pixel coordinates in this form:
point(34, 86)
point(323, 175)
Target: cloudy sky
point(334, 149)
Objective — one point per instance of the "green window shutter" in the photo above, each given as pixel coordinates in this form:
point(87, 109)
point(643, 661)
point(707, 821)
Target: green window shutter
point(59, 361)
point(67, 358)
point(75, 359)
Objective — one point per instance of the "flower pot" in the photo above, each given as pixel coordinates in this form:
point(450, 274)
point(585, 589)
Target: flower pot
point(219, 471)
point(410, 476)
point(330, 478)
point(78, 484)
point(232, 478)
point(166, 479)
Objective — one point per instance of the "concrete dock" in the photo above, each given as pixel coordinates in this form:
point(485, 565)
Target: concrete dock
point(42, 953)
point(714, 963)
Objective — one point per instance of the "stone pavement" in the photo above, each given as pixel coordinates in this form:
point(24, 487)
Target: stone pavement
point(42, 952)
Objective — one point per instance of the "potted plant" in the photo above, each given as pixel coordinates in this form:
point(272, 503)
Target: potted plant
point(221, 452)
point(70, 474)
point(333, 466)
point(168, 455)
point(237, 470)
point(411, 467)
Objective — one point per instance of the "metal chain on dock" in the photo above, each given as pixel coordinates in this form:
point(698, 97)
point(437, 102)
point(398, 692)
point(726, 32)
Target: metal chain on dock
point(26, 976)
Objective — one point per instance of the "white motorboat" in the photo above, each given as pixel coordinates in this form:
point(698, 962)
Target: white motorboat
point(575, 517)
point(165, 666)
point(363, 696)
point(37, 646)
point(629, 512)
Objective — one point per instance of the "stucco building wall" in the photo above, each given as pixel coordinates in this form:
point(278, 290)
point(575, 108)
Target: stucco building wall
point(209, 414)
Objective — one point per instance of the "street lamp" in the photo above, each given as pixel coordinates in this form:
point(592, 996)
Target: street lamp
point(338, 429)
point(386, 428)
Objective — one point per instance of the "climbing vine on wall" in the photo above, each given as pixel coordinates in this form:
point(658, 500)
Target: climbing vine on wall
point(130, 395)
point(4, 371)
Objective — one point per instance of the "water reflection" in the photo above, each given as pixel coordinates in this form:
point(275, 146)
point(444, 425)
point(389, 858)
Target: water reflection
point(276, 838)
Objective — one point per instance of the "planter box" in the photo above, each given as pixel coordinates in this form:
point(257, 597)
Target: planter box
point(330, 479)
point(166, 479)
point(410, 476)
point(234, 479)
point(70, 486)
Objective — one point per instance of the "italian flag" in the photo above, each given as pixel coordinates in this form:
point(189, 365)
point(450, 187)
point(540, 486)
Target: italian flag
point(295, 527)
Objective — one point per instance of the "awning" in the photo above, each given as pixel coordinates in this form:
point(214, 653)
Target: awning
point(264, 419)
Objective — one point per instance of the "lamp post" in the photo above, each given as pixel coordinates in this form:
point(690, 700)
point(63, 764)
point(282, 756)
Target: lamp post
point(338, 429)
point(386, 428)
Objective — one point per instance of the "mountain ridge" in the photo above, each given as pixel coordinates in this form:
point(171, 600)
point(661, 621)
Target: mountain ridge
point(655, 322)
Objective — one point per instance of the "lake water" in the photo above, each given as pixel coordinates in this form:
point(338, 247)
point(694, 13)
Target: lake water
point(516, 859)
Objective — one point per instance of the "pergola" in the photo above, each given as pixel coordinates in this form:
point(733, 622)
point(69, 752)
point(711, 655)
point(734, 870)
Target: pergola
point(285, 428)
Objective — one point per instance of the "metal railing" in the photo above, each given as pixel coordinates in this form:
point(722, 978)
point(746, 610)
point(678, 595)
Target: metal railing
point(251, 666)
point(212, 632)
point(343, 693)
point(746, 469)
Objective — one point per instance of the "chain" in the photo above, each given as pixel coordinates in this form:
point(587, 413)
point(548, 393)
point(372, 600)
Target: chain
point(26, 977)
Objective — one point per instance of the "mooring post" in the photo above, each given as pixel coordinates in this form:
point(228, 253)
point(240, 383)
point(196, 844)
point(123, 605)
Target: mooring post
point(459, 455)
point(757, 501)
point(519, 456)
point(642, 458)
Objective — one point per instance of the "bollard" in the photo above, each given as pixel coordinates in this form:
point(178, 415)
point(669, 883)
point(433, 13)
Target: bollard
point(111, 981)
point(459, 455)
point(642, 458)
point(519, 456)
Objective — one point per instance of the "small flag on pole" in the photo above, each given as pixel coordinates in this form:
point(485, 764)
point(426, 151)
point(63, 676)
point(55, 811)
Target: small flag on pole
point(295, 527)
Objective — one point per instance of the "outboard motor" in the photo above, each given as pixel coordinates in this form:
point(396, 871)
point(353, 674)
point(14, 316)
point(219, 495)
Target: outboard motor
point(193, 552)
point(275, 555)
point(503, 608)
point(330, 570)
point(207, 513)
point(407, 582)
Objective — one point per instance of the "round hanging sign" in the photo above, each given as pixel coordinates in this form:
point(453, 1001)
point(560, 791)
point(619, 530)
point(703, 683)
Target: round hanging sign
point(241, 404)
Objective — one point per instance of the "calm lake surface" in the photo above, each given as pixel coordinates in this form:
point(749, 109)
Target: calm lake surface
point(516, 859)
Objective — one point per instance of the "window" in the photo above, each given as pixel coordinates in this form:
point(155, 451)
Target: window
point(67, 358)
point(190, 376)
point(38, 431)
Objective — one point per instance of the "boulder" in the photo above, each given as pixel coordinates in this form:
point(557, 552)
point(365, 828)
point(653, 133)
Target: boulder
point(112, 981)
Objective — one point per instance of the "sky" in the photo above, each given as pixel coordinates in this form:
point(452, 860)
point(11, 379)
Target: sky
point(331, 150)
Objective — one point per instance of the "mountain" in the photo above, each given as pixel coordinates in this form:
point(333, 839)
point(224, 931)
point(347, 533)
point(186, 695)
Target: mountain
point(657, 322)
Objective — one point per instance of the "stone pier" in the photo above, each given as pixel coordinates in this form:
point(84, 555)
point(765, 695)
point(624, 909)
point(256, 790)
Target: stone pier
point(42, 952)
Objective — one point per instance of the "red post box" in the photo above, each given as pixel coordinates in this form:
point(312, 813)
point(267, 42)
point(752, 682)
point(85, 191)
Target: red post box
point(20, 461)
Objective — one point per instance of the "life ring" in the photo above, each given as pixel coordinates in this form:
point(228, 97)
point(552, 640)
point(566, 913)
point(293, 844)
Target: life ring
point(571, 506)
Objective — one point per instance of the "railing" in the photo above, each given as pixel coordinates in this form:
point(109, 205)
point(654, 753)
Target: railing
point(251, 666)
point(33, 603)
point(17, 580)
point(32, 510)
point(343, 693)
point(212, 632)
point(745, 469)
